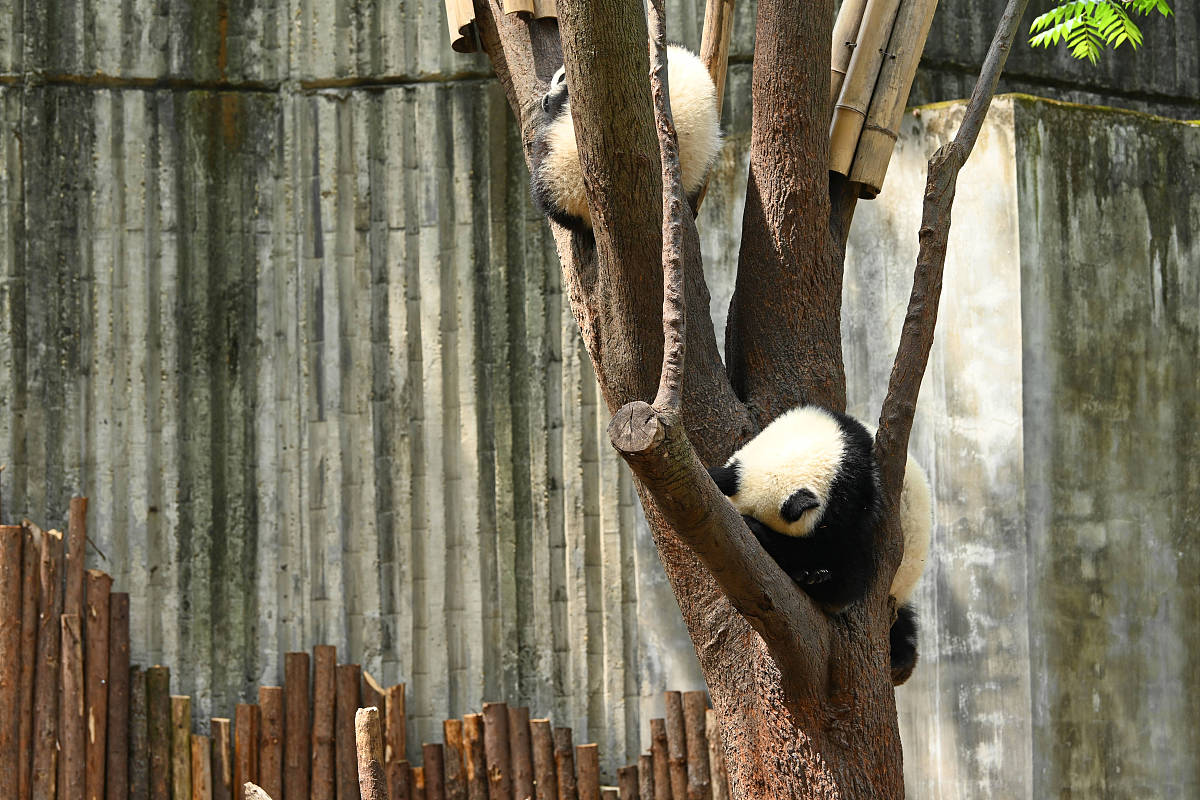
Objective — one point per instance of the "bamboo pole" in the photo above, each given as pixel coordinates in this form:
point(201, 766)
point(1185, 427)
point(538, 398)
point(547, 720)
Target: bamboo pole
point(72, 756)
point(676, 746)
point(98, 587)
point(627, 782)
point(545, 782)
point(158, 730)
point(270, 740)
point(31, 536)
point(10, 654)
point(181, 747)
point(349, 677)
point(662, 765)
point(201, 768)
point(699, 779)
point(522, 755)
point(43, 779)
point(845, 33)
point(297, 729)
point(371, 694)
point(435, 772)
point(76, 545)
point(247, 722)
point(324, 692)
point(882, 124)
point(587, 763)
point(222, 758)
point(475, 757)
point(851, 109)
point(139, 735)
point(369, 745)
point(645, 777)
point(564, 765)
point(116, 766)
point(456, 780)
point(394, 740)
point(716, 755)
point(496, 751)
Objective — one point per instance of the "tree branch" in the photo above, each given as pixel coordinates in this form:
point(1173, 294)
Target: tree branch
point(714, 52)
point(916, 337)
point(790, 624)
point(783, 340)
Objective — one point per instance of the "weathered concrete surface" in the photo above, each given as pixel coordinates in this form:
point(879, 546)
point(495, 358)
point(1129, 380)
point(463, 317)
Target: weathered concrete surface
point(1061, 610)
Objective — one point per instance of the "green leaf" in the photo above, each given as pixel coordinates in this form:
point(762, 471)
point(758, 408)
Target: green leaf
point(1089, 27)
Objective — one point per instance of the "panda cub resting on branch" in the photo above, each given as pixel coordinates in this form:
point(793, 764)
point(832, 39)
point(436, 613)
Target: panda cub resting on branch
point(557, 180)
point(807, 486)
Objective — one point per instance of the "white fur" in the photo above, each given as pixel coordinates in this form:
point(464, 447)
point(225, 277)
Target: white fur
point(916, 523)
point(800, 449)
point(697, 121)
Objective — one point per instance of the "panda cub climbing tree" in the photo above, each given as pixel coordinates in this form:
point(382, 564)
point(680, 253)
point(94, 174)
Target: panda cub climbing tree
point(557, 180)
point(808, 488)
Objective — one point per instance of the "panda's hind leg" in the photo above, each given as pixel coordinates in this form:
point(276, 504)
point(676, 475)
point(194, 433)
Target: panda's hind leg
point(904, 644)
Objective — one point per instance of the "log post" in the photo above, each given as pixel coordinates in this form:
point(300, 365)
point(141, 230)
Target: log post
point(297, 729)
point(270, 740)
point(587, 764)
point(201, 768)
point(545, 783)
point(247, 721)
point(72, 757)
point(394, 739)
point(98, 587)
point(645, 777)
point(699, 779)
point(417, 785)
point(31, 537)
point(252, 791)
point(456, 781)
point(496, 751)
point(371, 694)
point(76, 546)
point(349, 677)
point(676, 746)
point(627, 782)
point(399, 780)
point(522, 756)
point(369, 745)
point(44, 777)
point(222, 758)
point(475, 758)
point(181, 747)
point(661, 762)
point(116, 766)
point(716, 755)
point(324, 692)
point(10, 654)
point(435, 772)
point(564, 765)
point(139, 735)
point(158, 727)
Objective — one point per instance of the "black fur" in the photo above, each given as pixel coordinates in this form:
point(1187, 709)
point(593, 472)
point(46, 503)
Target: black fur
point(904, 644)
point(836, 561)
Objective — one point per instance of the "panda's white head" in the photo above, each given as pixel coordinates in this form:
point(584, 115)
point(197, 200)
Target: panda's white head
point(807, 460)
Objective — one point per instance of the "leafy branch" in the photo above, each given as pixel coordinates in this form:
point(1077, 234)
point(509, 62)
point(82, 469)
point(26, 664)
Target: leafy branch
point(1088, 27)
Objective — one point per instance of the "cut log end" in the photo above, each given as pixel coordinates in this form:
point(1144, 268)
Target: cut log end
point(635, 428)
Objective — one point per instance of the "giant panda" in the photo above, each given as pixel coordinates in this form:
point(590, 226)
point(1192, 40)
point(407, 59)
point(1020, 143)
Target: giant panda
point(808, 488)
point(557, 180)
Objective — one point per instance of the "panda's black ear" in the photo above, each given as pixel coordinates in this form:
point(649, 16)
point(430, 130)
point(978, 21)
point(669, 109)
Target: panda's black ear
point(726, 478)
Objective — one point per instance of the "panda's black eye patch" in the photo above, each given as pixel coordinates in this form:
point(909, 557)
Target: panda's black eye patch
point(800, 501)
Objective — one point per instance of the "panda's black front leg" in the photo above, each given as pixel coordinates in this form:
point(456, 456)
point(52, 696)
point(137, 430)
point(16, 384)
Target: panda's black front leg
point(833, 574)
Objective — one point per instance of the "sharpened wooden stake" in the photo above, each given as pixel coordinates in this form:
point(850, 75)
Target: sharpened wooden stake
point(369, 743)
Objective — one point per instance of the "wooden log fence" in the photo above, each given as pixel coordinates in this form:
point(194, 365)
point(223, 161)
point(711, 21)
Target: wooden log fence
point(77, 719)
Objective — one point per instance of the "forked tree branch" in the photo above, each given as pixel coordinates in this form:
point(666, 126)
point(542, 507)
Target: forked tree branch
point(714, 52)
point(916, 337)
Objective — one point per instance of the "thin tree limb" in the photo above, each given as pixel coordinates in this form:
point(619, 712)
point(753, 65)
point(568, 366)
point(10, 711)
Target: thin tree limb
point(916, 337)
point(714, 52)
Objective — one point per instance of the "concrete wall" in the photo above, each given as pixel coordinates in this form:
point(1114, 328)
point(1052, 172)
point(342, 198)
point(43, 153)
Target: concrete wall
point(272, 295)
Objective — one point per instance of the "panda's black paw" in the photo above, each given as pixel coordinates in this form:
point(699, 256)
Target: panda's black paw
point(813, 577)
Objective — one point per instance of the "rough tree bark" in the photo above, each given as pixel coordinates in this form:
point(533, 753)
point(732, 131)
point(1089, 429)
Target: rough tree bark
point(806, 700)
